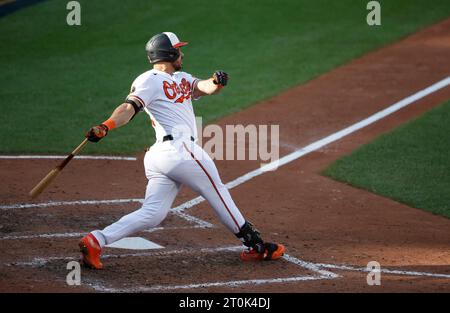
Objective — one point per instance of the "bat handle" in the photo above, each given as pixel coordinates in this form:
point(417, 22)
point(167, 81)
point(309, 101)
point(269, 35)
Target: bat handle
point(74, 153)
point(80, 147)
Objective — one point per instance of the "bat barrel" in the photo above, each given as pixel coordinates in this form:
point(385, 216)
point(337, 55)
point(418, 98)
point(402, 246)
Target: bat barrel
point(44, 182)
point(36, 191)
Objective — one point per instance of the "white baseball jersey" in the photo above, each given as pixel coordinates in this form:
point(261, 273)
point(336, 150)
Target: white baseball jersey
point(167, 99)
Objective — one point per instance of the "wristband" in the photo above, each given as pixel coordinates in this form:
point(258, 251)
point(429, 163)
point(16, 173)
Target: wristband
point(110, 124)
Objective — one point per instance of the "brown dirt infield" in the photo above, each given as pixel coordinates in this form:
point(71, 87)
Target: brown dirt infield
point(318, 219)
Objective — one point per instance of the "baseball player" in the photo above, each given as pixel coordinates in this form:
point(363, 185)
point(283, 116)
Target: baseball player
point(165, 93)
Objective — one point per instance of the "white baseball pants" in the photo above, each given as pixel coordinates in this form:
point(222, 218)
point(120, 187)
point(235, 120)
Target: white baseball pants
point(168, 165)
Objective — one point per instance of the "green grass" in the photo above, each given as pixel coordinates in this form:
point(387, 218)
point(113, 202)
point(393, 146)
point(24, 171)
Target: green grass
point(57, 80)
point(411, 164)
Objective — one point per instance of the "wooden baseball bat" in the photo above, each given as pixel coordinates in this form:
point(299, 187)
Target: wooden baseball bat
point(36, 191)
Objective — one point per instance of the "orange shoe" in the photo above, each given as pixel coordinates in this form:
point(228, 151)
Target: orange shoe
point(90, 252)
point(272, 251)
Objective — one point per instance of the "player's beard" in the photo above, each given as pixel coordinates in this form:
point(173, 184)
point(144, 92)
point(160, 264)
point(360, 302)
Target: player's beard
point(177, 65)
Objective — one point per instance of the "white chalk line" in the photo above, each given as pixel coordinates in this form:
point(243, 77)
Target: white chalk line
point(46, 236)
point(230, 284)
point(68, 203)
point(152, 230)
point(382, 270)
point(80, 234)
point(193, 219)
point(80, 157)
point(310, 266)
point(180, 208)
point(179, 213)
point(38, 261)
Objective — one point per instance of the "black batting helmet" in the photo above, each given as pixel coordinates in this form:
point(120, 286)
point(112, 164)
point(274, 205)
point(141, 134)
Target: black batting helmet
point(163, 47)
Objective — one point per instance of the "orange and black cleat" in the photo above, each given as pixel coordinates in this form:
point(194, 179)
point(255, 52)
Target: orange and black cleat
point(272, 251)
point(90, 252)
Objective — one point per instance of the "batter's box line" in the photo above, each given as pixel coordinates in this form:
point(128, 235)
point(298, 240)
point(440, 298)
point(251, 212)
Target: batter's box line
point(68, 203)
point(231, 284)
point(382, 270)
point(40, 261)
point(179, 210)
point(81, 234)
point(192, 219)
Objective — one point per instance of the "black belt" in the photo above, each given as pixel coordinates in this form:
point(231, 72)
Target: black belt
point(170, 137)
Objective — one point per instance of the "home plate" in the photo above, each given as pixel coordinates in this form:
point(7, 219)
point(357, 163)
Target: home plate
point(135, 243)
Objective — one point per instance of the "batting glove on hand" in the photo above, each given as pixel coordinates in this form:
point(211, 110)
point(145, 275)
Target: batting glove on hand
point(220, 78)
point(97, 132)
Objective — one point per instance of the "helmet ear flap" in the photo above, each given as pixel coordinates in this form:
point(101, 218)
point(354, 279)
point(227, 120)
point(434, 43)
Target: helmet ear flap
point(175, 54)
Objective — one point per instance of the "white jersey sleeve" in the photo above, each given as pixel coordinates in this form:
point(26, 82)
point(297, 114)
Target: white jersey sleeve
point(142, 90)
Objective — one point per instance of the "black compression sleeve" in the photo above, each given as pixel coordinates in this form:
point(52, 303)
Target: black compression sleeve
point(137, 108)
